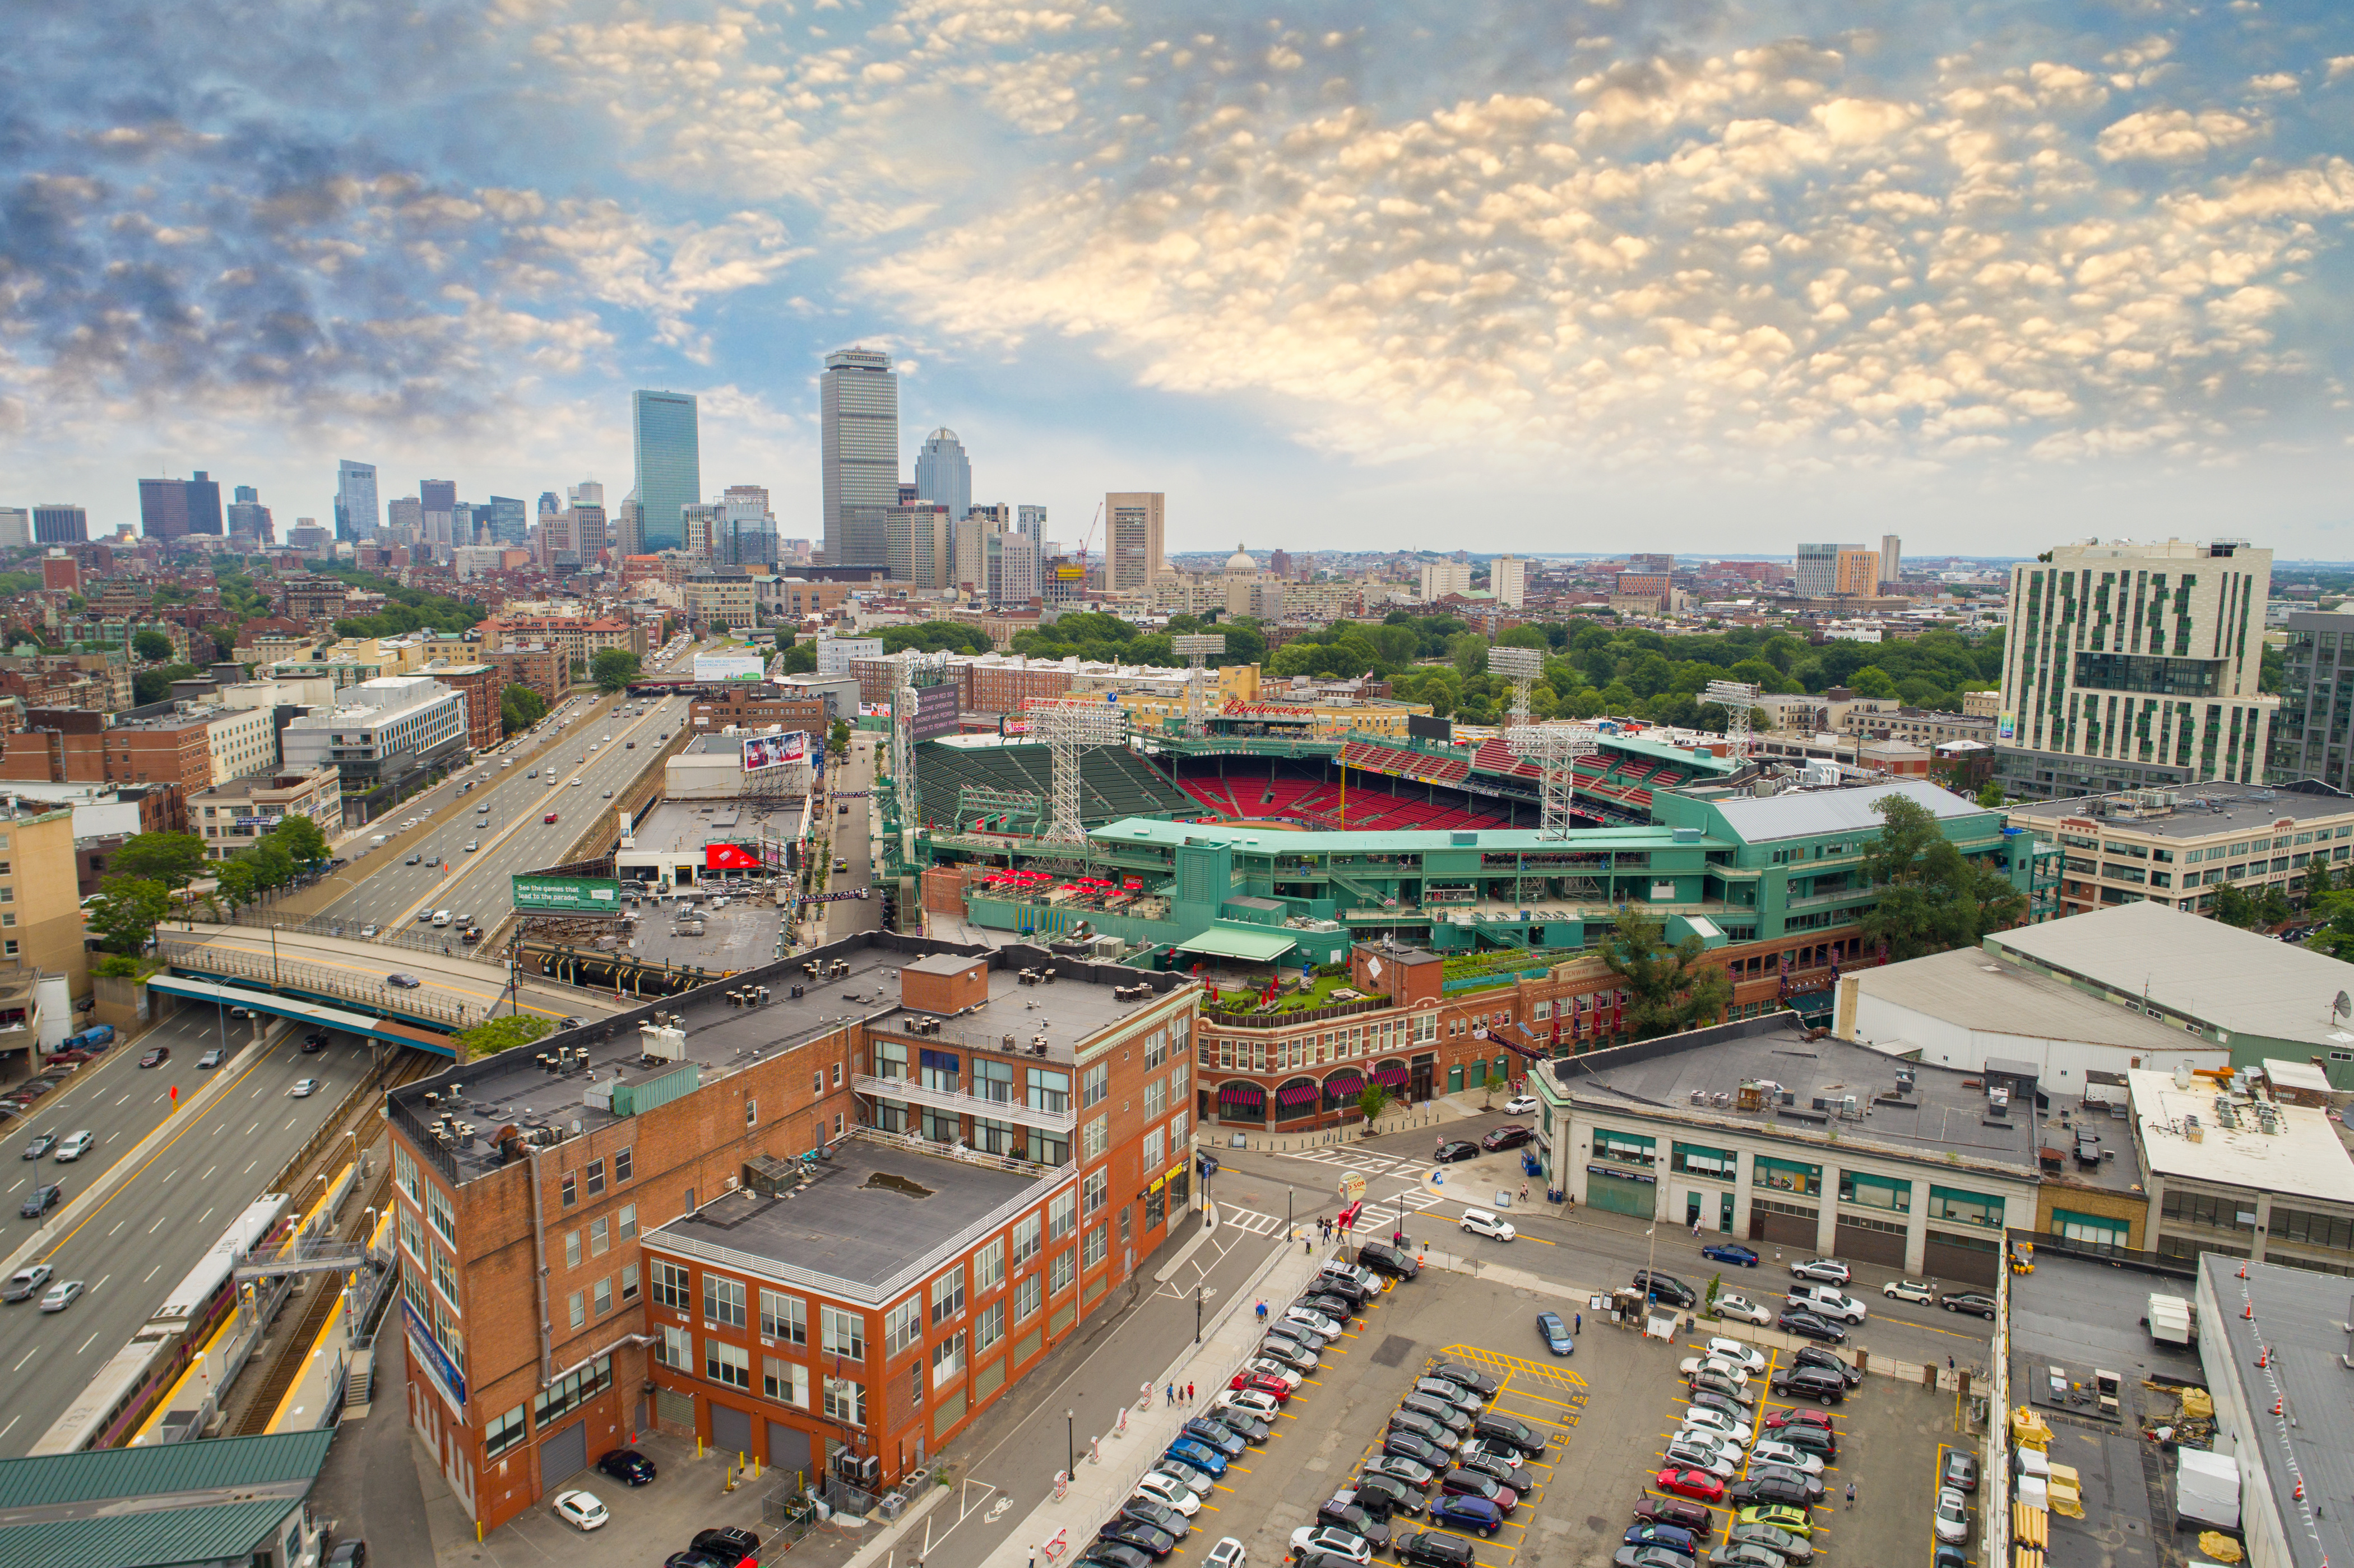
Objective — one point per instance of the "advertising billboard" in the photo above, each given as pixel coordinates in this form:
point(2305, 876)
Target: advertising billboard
point(565, 895)
point(2006, 724)
point(762, 752)
point(729, 667)
point(730, 857)
point(936, 712)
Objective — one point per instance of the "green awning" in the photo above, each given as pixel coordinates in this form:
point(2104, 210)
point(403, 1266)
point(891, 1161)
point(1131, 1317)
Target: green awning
point(1224, 942)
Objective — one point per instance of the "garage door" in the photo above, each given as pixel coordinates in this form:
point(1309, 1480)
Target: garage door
point(1782, 1229)
point(731, 1429)
point(789, 1449)
point(563, 1455)
point(1859, 1242)
point(1962, 1259)
point(1614, 1194)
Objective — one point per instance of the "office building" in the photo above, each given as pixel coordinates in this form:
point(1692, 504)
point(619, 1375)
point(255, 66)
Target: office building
point(700, 529)
point(748, 529)
point(404, 519)
point(916, 544)
point(355, 500)
point(625, 529)
point(59, 522)
point(1856, 573)
point(174, 508)
point(15, 528)
point(1133, 526)
point(437, 494)
point(974, 531)
point(943, 473)
point(1892, 559)
point(2316, 712)
point(2175, 847)
point(379, 732)
point(1507, 579)
point(248, 515)
point(1440, 578)
point(2130, 666)
point(1031, 521)
point(976, 1208)
point(1816, 572)
point(509, 526)
point(670, 466)
point(729, 599)
point(230, 815)
point(858, 413)
point(1012, 564)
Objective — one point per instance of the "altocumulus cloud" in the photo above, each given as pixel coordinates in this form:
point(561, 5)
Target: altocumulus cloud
point(1762, 240)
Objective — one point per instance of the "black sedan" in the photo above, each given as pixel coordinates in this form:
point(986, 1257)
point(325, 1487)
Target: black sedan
point(157, 1057)
point(1816, 1356)
point(1472, 1378)
point(1512, 1135)
point(1808, 1326)
point(41, 1200)
point(1454, 1150)
point(1968, 1301)
point(627, 1466)
point(1135, 1533)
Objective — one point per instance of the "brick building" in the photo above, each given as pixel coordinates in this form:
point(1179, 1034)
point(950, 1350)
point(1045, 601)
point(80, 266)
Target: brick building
point(313, 600)
point(796, 599)
point(480, 685)
point(580, 638)
point(753, 706)
point(960, 1200)
point(538, 665)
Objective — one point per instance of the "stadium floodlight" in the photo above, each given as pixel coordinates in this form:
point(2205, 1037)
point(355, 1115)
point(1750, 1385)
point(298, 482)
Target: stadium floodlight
point(1071, 727)
point(1194, 648)
point(1736, 698)
point(1554, 749)
point(1521, 666)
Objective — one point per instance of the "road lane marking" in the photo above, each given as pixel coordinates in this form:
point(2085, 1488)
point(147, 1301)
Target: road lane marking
point(28, 1356)
point(87, 1343)
point(158, 1225)
point(153, 1273)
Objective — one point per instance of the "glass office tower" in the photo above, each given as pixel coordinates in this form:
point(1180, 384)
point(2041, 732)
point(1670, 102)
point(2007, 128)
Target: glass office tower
point(670, 466)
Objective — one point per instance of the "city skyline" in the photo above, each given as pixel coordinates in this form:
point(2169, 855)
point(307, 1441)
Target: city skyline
point(1726, 275)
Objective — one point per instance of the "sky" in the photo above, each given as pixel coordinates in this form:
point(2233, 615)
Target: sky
point(1571, 276)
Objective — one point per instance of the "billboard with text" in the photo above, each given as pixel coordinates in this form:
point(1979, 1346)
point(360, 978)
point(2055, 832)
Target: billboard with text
point(762, 752)
point(729, 667)
point(565, 895)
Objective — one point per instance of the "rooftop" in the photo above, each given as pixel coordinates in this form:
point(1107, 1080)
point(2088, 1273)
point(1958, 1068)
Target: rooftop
point(2291, 1150)
point(1979, 990)
point(1803, 813)
point(276, 779)
point(677, 826)
point(2207, 811)
point(1493, 841)
point(2227, 979)
point(2299, 1318)
point(1947, 1112)
point(865, 1222)
point(169, 1503)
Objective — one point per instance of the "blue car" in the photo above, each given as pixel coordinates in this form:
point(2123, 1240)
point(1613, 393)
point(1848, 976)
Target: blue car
point(1452, 1509)
point(1201, 1455)
point(1211, 1434)
point(1555, 1334)
point(1673, 1537)
point(1728, 1252)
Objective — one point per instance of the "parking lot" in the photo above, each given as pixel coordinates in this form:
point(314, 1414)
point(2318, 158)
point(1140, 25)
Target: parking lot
point(1606, 1412)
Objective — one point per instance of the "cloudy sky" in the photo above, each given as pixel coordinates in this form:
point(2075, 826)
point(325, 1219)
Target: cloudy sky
point(1562, 275)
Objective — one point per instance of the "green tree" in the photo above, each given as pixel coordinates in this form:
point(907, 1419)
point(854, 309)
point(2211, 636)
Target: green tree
point(2315, 886)
point(1669, 988)
point(1371, 1100)
point(493, 1035)
point(1990, 795)
point(800, 658)
point(1871, 681)
point(2233, 906)
point(234, 885)
point(302, 839)
point(837, 739)
point(273, 866)
point(613, 668)
point(1932, 897)
point(126, 912)
point(151, 645)
point(155, 685)
point(520, 707)
point(172, 859)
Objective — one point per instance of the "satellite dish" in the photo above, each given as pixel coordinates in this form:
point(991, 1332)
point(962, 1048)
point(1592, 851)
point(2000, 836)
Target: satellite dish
point(2345, 1006)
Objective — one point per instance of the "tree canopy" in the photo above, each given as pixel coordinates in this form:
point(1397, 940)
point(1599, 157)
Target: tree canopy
point(1669, 988)
point(172, 859)
point(408, 609)
point(1932, 897)
point(151, 645)
point(520, 707)
point(493, 1035)
point(124, 914)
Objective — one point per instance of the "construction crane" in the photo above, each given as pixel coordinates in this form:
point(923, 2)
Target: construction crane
point(1086, 537)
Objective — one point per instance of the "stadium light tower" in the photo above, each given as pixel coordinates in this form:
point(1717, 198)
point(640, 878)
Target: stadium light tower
point(1554, 749)
point(1195, 648)
point(1071, 727)
point(1521, 666)
point(1736, 698)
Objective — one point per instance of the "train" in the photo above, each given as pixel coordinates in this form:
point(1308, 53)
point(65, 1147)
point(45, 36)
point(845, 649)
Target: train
point(126, 1388)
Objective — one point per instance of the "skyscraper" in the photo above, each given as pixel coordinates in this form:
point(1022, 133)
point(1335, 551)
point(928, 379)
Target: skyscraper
point(858, 415)
point(508, 524)
point(248, 515)
point(2133, 666)
point(437, 494)
point(943, 473)
point(917, 541)
point(1892, 559)
point(669, 465)
point(750, 529)
point(15, 528)
point(355, 506)
point(1033, 524)
point(1132, 535)
point(174, 508)
point(1815, 573)
point(59, 522)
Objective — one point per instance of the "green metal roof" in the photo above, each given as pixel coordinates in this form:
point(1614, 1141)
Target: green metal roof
point(1493, 841)
point(1657, 750)
point(1226, 942)
point(154, 1506)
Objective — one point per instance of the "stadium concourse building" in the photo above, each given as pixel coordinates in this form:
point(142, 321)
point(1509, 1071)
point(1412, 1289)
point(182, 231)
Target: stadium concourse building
point(1444, 956)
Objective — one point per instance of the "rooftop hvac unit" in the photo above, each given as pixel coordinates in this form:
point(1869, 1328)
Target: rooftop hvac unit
point(664, 1043)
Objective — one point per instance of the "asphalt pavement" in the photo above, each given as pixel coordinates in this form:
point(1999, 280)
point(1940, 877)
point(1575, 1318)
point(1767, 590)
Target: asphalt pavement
point(852, 843)
point(144, 1236)
point(481, 986)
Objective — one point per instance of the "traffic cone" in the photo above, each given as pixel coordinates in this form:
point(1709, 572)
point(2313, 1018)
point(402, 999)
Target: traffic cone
point(2300, 1491)
point(2277, 1406)
point(2248, 1311)
point(2264, 1358)
point(2243, 1271)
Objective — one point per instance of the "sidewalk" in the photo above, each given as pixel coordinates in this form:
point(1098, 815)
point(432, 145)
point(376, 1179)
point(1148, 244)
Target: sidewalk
point(1112, 1463)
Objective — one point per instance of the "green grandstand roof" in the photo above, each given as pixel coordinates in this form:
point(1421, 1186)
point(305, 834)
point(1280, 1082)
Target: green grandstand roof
point(1641, 748)
point(1226, 942)
point(1497, 840)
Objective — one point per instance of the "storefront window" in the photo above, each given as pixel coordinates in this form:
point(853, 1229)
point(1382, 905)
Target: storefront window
point(1786, 1176)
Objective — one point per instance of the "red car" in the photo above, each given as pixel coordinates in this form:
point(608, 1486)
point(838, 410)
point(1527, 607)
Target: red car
point(549, 818)
point(1696, 1484)
point(1798, 1418)
point(1264, 1383)
point(69, 1058)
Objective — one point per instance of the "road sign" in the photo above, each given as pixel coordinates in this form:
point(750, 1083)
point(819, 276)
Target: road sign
point(1353, 1188)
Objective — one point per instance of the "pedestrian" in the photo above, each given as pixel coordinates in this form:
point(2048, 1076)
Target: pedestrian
point(1580, 1328)
point(1305, 1245)
point(1524, 1192)
point(1949, 1364)
point(1851, 1494)
point(1170, 1394)
point(1189, 1393)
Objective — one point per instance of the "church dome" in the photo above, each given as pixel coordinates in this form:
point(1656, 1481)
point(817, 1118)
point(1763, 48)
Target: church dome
point(1240, 561)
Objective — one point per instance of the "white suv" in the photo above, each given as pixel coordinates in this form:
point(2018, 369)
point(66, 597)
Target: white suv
point(1487, 1222)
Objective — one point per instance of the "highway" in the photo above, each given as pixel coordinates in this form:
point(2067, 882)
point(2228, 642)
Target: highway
point(459, 980)
point(144, 1236)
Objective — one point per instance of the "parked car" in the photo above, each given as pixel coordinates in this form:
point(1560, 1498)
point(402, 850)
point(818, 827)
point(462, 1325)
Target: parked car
point(1741, 1309)
point(1665, 1288)
point(1197, 1481)
point(1781, 1516)
point(1113, 1554)
point(1816, 1356)
point(1274, 1389)
point(1703, 1400)
point(1451, 1393)
point(1511, 1429)
point(1724, 1387)
point(1818, 1440)
point(1395, 1468)
point(1315, 1322)
point(1461, 1482)
point(730, 1543)
point(1811, 1383)
point(1251, 1428)
point(1694, 1453)
point(1504, 1467)
point(1287, 1351)
point(1909, 1290)
point(1430, 1549)
point(630, 1468)
point(1401, 1444)
point(1384, 1497)
point(1210, 1433)
point(1452, 1151)
point(1472, 1378)
point(1740, 1353)
point(1790, 1546)
point(1166, 1491)
point(1699, 1419)
point(579, 1510)
point(1814, 1419)
point(1968, 1301)
point(1745, 1555)
point(1436, 1434)
point(1266, 1367)
point(1789, 1492)
point(1555, 1334)
point(1512, 1135)
point(1830, 1271)
point(1672, 1510)
point(1828, 1301)
point(1383, 1258)
point(1330, 1538)
point(1674, 1537)
point(1466, 1513)
point(1960, 1472)
point(1337, 1308)
point(1201, 1455)
point(1136, 1533)
point(1730, 1251)
point(1698, 1485)
point(1771, 1452)
point(1808, 1324)
point(1649, 1557)
point(1733, 1372)
point(1346, 1510)
point(1953, 1520)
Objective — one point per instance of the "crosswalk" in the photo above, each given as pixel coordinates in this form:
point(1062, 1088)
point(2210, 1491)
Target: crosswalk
point(1378, 1219)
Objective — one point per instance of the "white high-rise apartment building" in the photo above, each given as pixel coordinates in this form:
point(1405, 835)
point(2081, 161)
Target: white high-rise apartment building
point(1133, 523)
point(858, 415)
point(1815, 574)
point(1440, 578)
point(2133, 666)
point(1012, 566)
point(16, 527)
point(1892, 559)
point(1033, 524)
point(1507, 579)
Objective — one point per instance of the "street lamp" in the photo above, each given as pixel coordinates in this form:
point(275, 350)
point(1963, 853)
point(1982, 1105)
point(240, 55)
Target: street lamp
point(1197, 1314)
point(1071, 1435)
point(273, 955)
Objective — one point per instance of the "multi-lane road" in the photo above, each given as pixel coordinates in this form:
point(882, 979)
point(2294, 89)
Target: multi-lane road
point(138, 1241)
point(458, 981)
